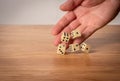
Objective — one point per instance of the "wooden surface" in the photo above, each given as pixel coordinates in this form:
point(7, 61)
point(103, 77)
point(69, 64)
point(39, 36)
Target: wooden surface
point(27, 54)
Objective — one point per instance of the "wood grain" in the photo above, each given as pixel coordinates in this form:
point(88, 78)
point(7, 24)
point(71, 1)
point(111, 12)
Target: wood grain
point(27, 54)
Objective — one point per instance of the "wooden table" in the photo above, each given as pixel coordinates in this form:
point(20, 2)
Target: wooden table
point(28, 54)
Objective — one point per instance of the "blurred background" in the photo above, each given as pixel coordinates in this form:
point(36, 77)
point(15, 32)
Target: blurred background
point(34, 12)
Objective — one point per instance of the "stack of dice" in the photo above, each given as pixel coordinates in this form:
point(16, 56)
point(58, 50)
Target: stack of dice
point(65, 37)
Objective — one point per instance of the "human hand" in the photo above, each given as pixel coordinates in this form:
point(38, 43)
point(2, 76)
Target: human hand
point(85, 15)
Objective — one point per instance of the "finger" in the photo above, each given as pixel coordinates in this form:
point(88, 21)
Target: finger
point(73, 25)
point(58, 37)
point(91, 3)
point(86, 33)
point(70, 5)
point(80, 39)
point(63, 22)
point(81, 28)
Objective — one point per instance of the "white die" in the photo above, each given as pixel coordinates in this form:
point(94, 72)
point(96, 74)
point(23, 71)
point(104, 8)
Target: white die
point(75, 34)
point(74, 47)
point(85, 48)
point(61, 49)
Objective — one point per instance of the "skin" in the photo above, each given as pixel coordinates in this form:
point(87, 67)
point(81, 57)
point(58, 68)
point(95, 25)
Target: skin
point(85, 15)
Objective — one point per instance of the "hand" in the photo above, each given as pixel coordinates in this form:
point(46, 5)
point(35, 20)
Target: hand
point(85, 15)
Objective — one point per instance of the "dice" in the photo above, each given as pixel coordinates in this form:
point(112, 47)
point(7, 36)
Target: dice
point(75, 34)
point(85, 48)
point(65, 37)
point(74, 47)
point(61, 49)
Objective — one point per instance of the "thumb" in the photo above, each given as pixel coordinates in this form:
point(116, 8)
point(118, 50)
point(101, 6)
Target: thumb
point(70, 5)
